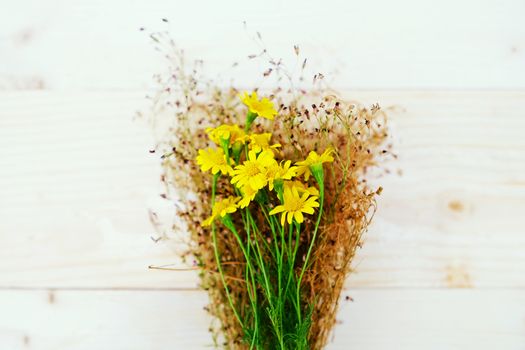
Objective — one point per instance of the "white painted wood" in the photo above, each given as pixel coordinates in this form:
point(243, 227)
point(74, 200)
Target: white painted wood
point(77, 182)
point(375, 320)
point(370, 44)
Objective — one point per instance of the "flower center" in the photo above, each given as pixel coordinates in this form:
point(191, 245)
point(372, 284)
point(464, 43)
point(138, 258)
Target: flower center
point(252, 169)
point(294, 204)
point(219, 159)
point(257, 105)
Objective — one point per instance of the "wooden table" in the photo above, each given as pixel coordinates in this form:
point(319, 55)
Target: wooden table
point(443, 265)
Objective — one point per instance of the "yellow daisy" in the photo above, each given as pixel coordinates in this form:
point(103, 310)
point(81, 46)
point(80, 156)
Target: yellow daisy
point(227, 132)
point(248, 195)
point(221, 209)
point(263, 108)
point(303, 167)
point(215, 160)
point(253, 170)
point(294, 206)
point(261, 142)
point(301, 187)
point(283, 171)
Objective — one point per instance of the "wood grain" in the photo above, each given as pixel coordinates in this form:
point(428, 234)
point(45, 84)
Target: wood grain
point(368, 44)
point(375, 320)
point(443, 265)
point(77, 182)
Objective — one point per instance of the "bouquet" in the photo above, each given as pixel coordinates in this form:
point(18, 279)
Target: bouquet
point(271, 200)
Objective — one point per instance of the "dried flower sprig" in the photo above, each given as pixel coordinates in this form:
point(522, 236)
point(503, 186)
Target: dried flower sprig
point(275, 206)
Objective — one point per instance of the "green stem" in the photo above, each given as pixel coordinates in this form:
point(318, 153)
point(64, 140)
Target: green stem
point(267, 288)
point(254, 290)
point(293, 257)
point(306, 261)
point(249, 267)
point(280, 278)
point(270, 220)
point(250, 117)
point(289, 245)
point(217, 257)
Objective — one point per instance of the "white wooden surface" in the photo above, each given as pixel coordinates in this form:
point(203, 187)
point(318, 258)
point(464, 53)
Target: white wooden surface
point(443, 266)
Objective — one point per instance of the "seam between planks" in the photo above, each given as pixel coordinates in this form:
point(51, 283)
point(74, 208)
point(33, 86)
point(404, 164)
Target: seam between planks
point(341, 89)
point(189, 289)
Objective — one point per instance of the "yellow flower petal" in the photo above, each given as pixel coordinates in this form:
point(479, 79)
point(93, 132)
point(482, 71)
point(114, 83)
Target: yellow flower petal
point(222, 208)
point(290, 217)
point(303, 167)
point(253, 170)
point(298, 216)
point(248, 195)
point(233, 133)
point(294, 205)
point(263, 108)
point(261, 142)
point(213, 159)
point(277, 209)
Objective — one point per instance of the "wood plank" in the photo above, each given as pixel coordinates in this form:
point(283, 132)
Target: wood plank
point(77, 182)
point(380, 44)
point(376, 319)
